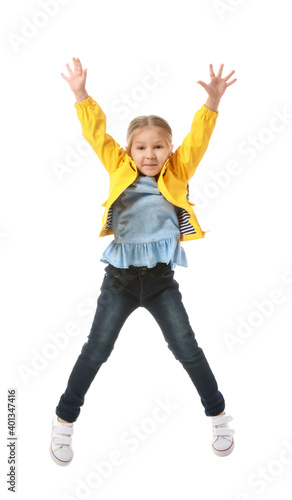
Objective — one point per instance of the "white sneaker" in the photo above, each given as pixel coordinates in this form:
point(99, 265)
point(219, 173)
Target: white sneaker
point(223, 443)
point(60, 449)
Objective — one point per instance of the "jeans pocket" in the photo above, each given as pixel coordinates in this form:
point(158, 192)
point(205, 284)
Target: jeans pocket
point(167, 273)
point(108, 268)
point(112, 271)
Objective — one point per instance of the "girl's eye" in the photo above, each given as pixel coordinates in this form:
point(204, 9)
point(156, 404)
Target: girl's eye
point(142, 147)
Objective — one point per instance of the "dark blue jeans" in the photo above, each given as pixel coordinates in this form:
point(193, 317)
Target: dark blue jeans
point(123, 291)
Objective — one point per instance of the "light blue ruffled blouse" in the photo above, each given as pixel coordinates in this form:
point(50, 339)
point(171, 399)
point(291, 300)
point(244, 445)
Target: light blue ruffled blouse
point(146, 229)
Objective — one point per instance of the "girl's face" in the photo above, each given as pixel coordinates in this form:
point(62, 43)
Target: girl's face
point(150, 150)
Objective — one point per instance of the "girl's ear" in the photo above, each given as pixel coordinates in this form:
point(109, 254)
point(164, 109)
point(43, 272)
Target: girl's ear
point(171, 151)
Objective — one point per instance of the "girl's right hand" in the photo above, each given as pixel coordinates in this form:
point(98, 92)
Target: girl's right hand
point(77, 78)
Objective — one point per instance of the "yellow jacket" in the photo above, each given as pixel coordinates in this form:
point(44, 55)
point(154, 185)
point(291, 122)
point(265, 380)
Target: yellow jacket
point(173, 177)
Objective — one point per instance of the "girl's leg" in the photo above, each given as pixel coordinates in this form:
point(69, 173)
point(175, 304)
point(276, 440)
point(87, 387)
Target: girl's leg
point(170, 314)
point(113, 308)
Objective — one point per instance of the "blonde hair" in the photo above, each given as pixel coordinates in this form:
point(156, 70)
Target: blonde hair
point(142, 121)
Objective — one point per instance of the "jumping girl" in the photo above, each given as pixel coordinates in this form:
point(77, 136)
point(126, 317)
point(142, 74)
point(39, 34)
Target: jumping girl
point(149, 214)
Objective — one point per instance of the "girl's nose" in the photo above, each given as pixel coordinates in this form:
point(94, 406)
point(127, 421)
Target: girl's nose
point(150, 154)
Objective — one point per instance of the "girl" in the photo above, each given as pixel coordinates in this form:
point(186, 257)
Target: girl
point(148, 213)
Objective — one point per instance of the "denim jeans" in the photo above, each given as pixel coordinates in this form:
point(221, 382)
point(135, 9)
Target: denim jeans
point(123, 291)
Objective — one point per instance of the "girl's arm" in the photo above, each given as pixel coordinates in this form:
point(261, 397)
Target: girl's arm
point(93, 123)
point(92, 119)
point(187, 157)
point(81, 96)
point(193, 148)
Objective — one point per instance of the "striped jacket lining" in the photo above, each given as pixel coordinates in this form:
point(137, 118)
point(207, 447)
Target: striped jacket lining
point(183, 220)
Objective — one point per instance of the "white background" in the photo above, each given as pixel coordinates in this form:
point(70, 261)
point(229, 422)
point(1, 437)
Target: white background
point(237, 289)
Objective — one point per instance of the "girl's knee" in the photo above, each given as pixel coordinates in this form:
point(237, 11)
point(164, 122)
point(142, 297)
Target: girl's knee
point(97, 351)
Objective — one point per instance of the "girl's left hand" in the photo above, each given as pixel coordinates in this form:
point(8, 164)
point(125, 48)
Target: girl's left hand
point(217, 85)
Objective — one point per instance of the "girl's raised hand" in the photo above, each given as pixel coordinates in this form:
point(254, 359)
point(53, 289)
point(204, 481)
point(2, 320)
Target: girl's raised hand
point(217, 85)
point(77, 78)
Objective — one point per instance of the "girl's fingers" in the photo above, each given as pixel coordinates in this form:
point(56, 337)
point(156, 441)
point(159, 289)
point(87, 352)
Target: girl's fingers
point(228, 76)
point(212, 74)
point(69, 69)
point(220, 70)
point(232, 81)
point(77, 69)
point(204, 85)
point(79, 63)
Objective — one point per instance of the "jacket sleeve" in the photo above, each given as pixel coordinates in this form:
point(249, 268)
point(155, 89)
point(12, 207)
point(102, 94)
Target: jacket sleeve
point(93, 123)
point(188, 156)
